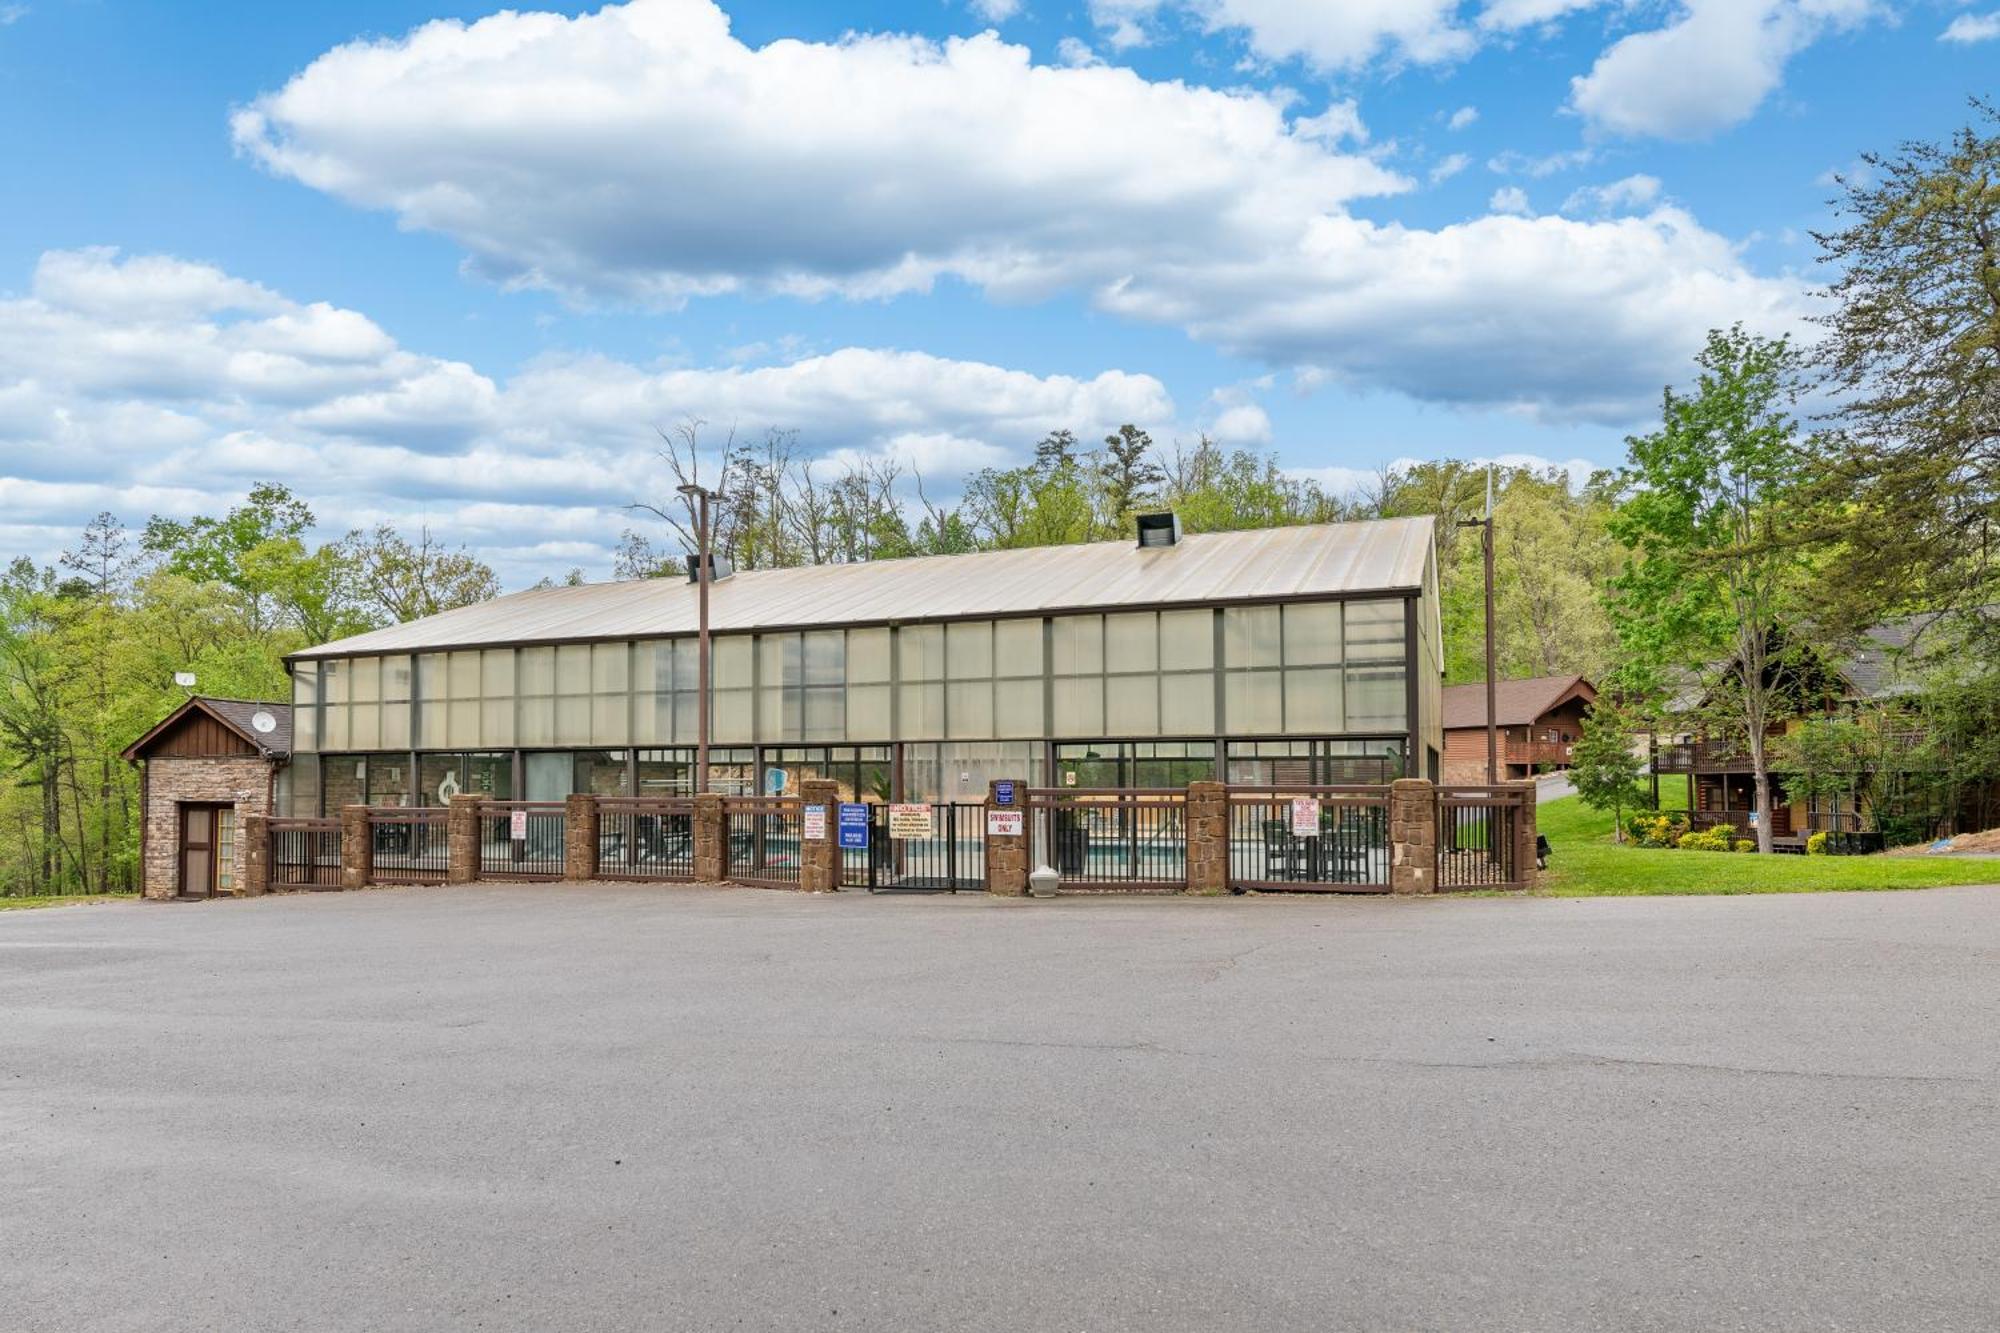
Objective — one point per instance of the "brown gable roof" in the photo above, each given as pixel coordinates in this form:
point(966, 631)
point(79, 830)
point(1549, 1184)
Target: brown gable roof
point(234, 714)
point(1516, 703)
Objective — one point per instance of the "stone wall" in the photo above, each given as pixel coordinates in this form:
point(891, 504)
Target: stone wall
point(243, 782)
point(1207, 837)
point(1007, 857)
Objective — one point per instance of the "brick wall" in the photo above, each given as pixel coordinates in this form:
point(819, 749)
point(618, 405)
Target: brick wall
point(242, 782)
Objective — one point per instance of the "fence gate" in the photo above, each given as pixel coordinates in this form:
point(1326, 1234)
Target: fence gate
point(645, 837)
point(1317, 839)
point(411, 846)
point(1118, 839)
point(1475, 838)
point(949, 857)
point(521, 839)
point(305, 853)
point(761, 841)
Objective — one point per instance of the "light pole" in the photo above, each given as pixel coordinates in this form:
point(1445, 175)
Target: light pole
point(1485, 525)
point(699, 497)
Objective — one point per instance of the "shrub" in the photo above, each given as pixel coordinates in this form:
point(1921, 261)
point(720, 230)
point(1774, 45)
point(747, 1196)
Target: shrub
point(1717, 839)
point(1816, 845)
point(1656, 830)
point(1746, 845)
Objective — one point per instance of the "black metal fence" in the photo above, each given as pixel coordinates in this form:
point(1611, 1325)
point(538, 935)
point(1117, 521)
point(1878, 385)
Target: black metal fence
point(305, 853)
point(1130, 839)
point(521, 839)
point(411, 846)
point(947, 855)
point(762, 837)
point(1320, 839)
point(1475, 838)
point(645, 837)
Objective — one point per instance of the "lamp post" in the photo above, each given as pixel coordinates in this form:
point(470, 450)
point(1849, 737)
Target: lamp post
point(699, 498)
point(1485, 525)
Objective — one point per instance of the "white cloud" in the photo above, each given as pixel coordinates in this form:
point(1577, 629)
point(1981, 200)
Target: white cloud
point(1448, 167)
point(1510, 199)
point(995, 11)
point(1969, 28)
point(1513, 163)
point(120, 378)
point(1243, 425)
point(12, 14)
point(642, 154)
point(1506, 15)
point(1620, 196)
point(1708, 69)
point(1327, 34)
point(1461, 118)
point(1076, 53)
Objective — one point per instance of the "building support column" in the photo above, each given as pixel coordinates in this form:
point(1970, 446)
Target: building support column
point(461, 829)
point(711, 838)
point(579, 836)
point(1207, 837)
point(256, 835)
point(819, 858)
point(1006, 853)
point(357, 848)
point(1412, 836)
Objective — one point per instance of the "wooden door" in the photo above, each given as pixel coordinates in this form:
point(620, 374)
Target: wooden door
point(199, 858)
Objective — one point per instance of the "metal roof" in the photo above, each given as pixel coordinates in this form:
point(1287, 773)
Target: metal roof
point(1516, 703)
point(1328, 559)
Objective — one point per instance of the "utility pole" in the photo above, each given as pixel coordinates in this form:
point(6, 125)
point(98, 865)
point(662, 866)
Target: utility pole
point(1485, 525)
point(700, 497)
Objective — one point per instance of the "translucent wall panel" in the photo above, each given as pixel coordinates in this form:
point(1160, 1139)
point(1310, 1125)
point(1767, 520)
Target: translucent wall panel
point(824, 657)
point(1375, 631)
point(534, 671)
point(1017, 707)
point(825, 712)
point(336, 727)
point(333, 682)
point(969, 709)
point(364, 726)
point(462, 675)
point(395, 678)
point(868, 657)
point(395, 726)
point(730, 660)
point(1312, 699)
point(1131, 705)
point(462, 723)
point(496, 673)
point(1250, 638)
point(1253, 703)
point(1132, 642)
point(868, 712)
point(968, 650)
point(1312, 634)
point(364, 680)
point(921, 710)
point(1079, 706)
point(734, 722)
point(1377, 699)
point(1076, 645)
point(920, 652)
point(433, 677)
point(535, 721)
point(1017, 648)
point(573, 720)
point(305, 700)
point(1187, 705)
point(610, 668)
point(496, 722)
point(609, 722)
point(1187, 641)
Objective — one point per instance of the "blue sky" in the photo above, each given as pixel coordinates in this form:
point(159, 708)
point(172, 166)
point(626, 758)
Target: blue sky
point(454, 274)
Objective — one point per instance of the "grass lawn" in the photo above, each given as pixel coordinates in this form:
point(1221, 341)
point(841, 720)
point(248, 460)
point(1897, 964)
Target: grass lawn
point(1585, 862)
point(65, 900)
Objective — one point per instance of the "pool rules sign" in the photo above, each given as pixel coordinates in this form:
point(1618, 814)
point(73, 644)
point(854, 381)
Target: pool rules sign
point(908, 822)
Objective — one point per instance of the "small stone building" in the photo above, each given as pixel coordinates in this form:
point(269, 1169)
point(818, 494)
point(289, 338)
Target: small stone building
point(207, 766)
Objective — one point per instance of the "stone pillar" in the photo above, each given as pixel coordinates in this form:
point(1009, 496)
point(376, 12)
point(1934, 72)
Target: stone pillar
point(1207, 837)
point(1524, 837)
point(1412, 836)
point(256, 835)
point(580, 836)
point(1007, 853)
point(462, 839)
point(819, 859)
point(357, 848)
point(711, 838)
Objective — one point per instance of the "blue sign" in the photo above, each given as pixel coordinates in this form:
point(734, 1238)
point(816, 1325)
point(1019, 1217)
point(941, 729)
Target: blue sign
point(1003, 792)
point(854, 825)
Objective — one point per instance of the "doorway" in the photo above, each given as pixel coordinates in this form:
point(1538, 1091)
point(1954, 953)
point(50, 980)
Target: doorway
point(207, 850)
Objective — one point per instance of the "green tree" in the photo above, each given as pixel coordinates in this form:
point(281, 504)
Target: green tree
point(1913, 356)
point(1131, 477)
point(1713, 516)
point(1605, 768)
point(401, 580)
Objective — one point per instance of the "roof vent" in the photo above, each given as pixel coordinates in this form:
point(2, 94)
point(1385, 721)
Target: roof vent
point(718, 568)
point(1158, 530)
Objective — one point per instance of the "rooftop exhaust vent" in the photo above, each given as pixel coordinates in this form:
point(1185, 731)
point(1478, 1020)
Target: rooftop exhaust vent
point(1158, 530)
point(719, 568)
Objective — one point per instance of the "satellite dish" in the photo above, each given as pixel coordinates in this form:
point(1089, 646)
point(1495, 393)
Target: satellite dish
point(184, 679)
point(263, 723)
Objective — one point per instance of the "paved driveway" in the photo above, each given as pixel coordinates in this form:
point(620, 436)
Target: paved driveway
point(623, 1108)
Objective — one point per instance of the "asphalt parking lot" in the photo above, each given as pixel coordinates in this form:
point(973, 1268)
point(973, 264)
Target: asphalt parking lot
point(608, 1107)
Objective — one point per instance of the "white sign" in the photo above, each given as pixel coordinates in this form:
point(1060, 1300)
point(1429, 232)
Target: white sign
point(1305, 817)
point(1003, 823)
point(1069, 777)
point(815, 823)
point(909, 821)
point(517, 826)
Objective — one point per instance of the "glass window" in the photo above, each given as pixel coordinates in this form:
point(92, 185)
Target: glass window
point(920, 652)
point(1017, 648)
point(968, 650)
point(1131, 642)
point(868, 657)
point(490, 775)
point(439, 778)
point(600, 772)
point(666, 772)
point(225, 849)
point(388, 780)
point(1187, 641)
point(1374, 632)
point(1076, 645)
point(1312, 634)
point(1249, 638)
point(1312, 699)
point(345, 779)
point(304, 770)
